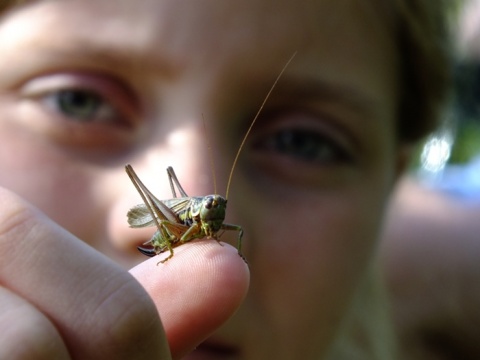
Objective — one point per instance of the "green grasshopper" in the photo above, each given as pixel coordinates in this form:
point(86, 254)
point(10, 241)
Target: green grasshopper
point(182, 219)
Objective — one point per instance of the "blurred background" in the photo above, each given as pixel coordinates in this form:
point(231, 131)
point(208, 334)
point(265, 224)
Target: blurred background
point(449, 160)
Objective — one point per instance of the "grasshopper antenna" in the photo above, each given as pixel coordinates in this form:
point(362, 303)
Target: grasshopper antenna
point(253, 123)
point(210, 155)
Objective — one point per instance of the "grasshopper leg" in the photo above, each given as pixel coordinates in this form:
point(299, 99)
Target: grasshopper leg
point(239, 239)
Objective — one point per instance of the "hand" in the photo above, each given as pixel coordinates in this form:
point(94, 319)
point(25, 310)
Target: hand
point(59, 298)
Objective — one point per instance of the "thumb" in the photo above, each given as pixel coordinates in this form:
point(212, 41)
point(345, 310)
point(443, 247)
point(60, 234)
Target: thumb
point(196, 291)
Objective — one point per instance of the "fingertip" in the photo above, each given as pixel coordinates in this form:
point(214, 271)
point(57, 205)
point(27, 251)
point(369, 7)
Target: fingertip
point(193, 264)
point(195, 291)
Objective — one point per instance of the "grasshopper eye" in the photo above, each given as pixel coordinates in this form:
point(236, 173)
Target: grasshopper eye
point(208, 203)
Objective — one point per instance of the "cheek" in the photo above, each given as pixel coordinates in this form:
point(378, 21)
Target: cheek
point(336, 230)
point(309, 257)
point(50, 180)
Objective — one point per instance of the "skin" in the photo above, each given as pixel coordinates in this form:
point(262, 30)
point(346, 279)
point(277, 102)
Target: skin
point(430, 254)
point(161, 69)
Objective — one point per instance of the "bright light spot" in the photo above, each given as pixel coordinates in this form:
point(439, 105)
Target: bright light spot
point(435, 154)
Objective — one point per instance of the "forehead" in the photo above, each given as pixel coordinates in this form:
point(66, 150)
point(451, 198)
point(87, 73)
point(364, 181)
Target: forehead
point(346, 41)
point(267, 26)
point(327, 34)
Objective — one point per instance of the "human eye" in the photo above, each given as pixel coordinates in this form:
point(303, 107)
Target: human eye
point(302, 147)
point(80, 109)
point(80, 105)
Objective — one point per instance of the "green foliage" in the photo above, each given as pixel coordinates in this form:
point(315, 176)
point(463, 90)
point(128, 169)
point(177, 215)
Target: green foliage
point(467, 142)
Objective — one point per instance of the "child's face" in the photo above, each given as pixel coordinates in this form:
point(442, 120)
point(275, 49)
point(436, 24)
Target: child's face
point(312, 179)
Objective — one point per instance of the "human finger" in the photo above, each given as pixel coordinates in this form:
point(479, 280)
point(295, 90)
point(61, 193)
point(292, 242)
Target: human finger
point(26, 332)
point(195, 291)
point(98, 308)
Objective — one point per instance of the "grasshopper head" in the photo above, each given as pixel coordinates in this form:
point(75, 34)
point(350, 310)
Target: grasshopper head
point(212, 214)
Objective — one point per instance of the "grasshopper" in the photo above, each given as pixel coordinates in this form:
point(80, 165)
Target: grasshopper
point(182, 219)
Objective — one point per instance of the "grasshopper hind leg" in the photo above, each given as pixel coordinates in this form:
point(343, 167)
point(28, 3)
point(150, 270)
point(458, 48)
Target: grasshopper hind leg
point(160, 242)
point(147, 251)
point(153, 252)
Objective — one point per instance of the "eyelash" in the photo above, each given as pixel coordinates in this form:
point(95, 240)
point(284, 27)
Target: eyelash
point(82, 110)
point(303, 135)
point(81, 105)
point(301, 147)
point(303, 144)
point(107, 100)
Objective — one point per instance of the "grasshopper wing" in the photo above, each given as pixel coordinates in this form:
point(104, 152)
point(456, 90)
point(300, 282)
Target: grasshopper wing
point(156, 208)
point(139, 216)
point(178, 205)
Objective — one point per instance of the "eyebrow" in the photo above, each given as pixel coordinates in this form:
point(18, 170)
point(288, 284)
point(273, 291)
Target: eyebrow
point(311, 89)
point(304, 88)
point(83, 52)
